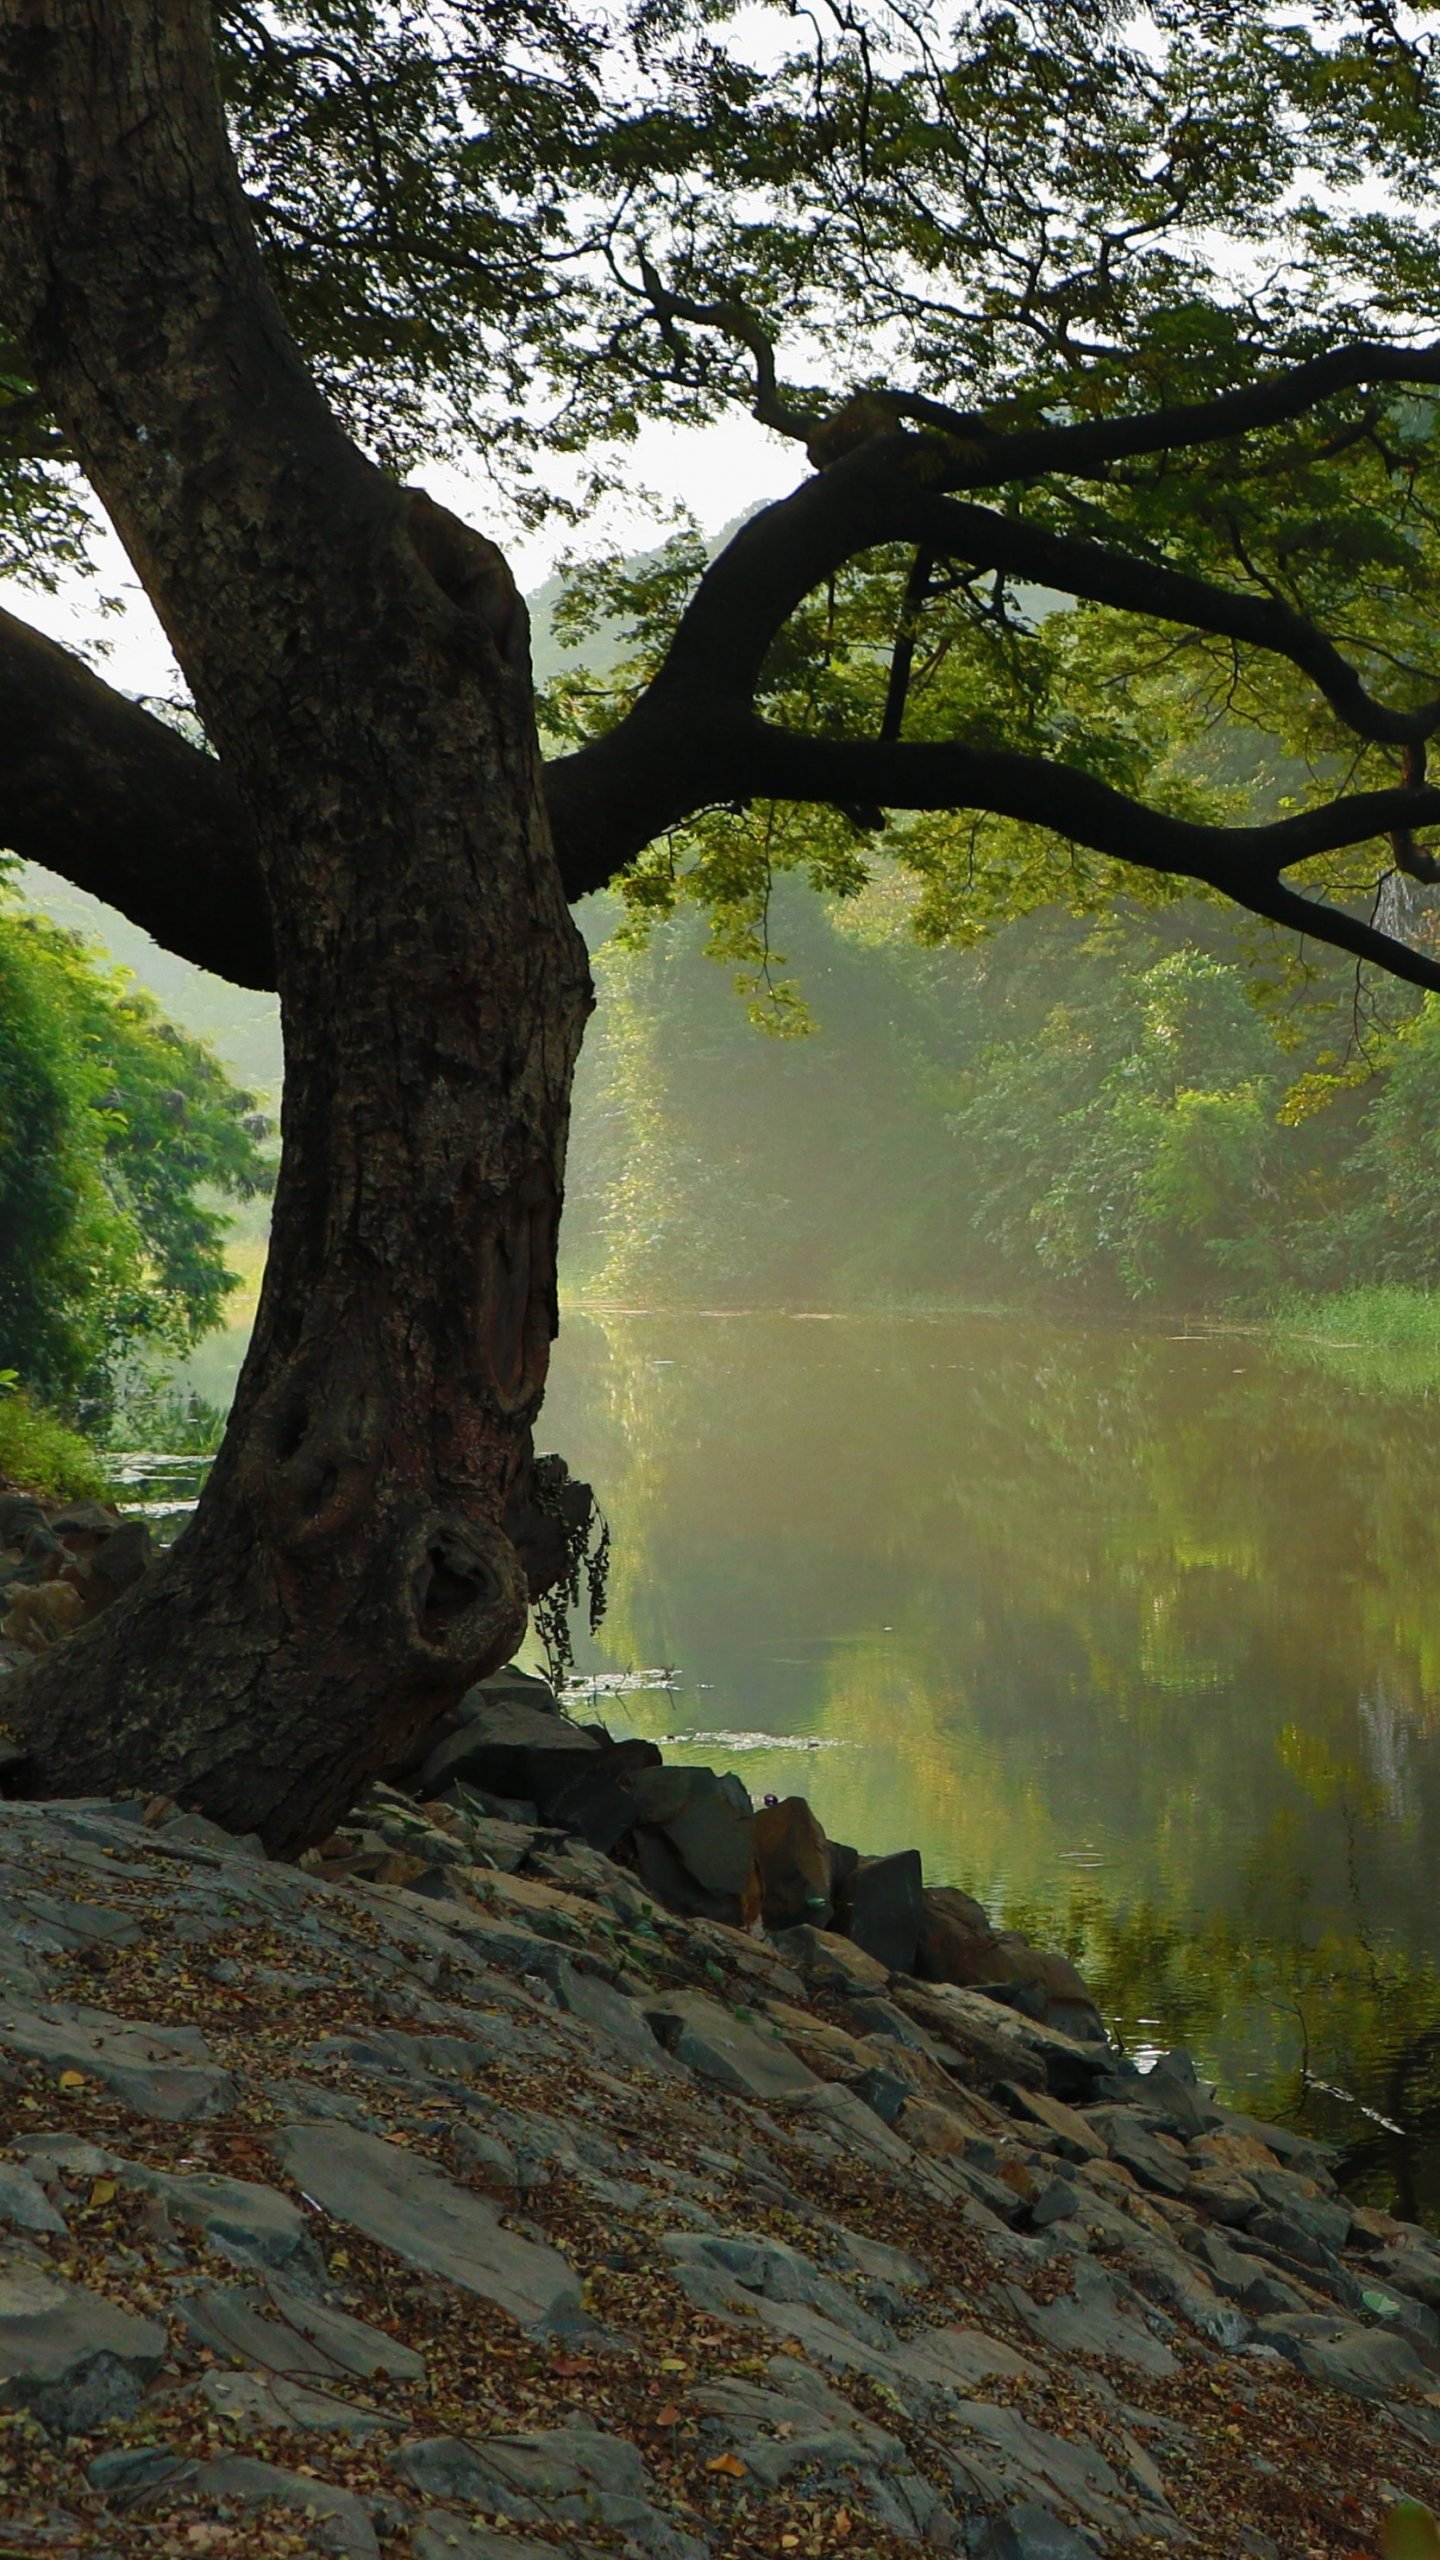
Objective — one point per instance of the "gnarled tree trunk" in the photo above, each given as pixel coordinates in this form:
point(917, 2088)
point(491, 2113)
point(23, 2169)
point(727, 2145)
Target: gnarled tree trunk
point(361, 665)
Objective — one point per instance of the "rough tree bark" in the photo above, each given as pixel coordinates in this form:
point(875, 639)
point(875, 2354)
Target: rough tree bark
point(360, 661)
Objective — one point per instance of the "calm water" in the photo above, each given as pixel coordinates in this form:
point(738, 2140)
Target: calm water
point(1136, 1637)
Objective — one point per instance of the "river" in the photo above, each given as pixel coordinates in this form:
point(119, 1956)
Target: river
point(1134, 1635)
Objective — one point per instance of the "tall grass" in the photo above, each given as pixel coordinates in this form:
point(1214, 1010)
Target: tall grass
point(1383, 1338)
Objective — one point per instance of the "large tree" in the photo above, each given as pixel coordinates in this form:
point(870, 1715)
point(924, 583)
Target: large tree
point(1132, 308)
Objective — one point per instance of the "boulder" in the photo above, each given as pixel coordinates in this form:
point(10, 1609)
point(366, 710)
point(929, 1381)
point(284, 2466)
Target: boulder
point(956, 1942)
point(695, 1842)
point(731, 2051)
point(69, 2357)
point(504, 1744)
point(881, 1906)
point(793, 1857)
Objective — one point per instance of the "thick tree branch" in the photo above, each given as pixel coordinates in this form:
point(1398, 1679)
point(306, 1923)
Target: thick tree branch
point(102, 792)
point(1093, 445)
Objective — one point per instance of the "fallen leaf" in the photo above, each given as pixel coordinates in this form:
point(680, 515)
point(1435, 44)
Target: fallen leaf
point(72, 2080)
point(673, 2364)
point(103, 2189)
point(728, 2464)
point(669, 2416)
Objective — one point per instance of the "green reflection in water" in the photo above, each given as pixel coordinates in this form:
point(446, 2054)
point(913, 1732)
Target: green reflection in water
point(1135, 1636)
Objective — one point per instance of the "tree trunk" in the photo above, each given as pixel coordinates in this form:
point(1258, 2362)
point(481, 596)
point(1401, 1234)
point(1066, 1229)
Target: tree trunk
point(361, 664)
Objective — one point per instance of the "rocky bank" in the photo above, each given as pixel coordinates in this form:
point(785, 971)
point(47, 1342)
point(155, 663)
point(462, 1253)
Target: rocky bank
point(471, 2191)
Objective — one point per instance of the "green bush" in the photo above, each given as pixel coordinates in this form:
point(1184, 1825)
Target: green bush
point(41, 1453)
point(111, 1121)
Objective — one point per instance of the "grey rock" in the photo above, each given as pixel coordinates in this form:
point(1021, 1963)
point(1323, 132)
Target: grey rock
point(1269, 2293)
point(826, 1959)
point(1370, 2363)
point(285, 2333)
point(509, 1686)
point(69, 2357)
point(882, 2092)
point(716, 2046)
point(158, 2070)
point(961, 2359)
point(498, 1844)
point(1071, 2136)
point(1035, 2467)
point(695, 1839)
point(502, 1747)
point(1293, 2150)
point(795, 2423)
point(1058, 2201)
point(186, 1830)
point(1401, 2267)
point(24, 2205)
point(446, 2538)
point(571, 2474)
point(406, 2204)
point(128, 2475)
point(881, 1907)
point(612, 2013)
point(250, 2225)
point(1171, 2091)
point(56, 1928)
point(776, 2273)
point(1326, 2219)
point(1100, 2316)
point(1029, 2533)
point(265, 2400)
point(343, 2524)
point(1141, 2150)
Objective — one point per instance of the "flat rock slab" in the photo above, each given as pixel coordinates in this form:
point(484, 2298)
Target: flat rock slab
point(1372, 2363)
point(158, 2071)
point(1031, 2533)
point(574, 2475)
point(1098, 2317)
point(264, 2402)
point(252, 2226)
point(446, 2538)
point(283, 2332)
point(342, 2519)
point(716, 2046)
point(404, 2203)
point(69, 2357)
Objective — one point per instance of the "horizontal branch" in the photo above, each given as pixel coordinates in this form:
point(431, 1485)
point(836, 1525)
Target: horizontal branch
point(99, 790)
point(1093, 445)
point(1244, 863)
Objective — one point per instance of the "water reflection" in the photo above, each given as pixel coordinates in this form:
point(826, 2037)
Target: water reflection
point(1138, 1638)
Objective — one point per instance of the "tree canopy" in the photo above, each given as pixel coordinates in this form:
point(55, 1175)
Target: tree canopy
point(1125, 306)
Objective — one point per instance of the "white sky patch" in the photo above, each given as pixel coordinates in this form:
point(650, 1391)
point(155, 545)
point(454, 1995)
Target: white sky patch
point(717, 472)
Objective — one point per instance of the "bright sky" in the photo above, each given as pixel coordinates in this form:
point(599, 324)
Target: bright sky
point(716, 471)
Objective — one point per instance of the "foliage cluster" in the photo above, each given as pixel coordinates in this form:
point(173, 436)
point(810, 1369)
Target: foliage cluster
point(112, 1124)
point(39, 1451)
